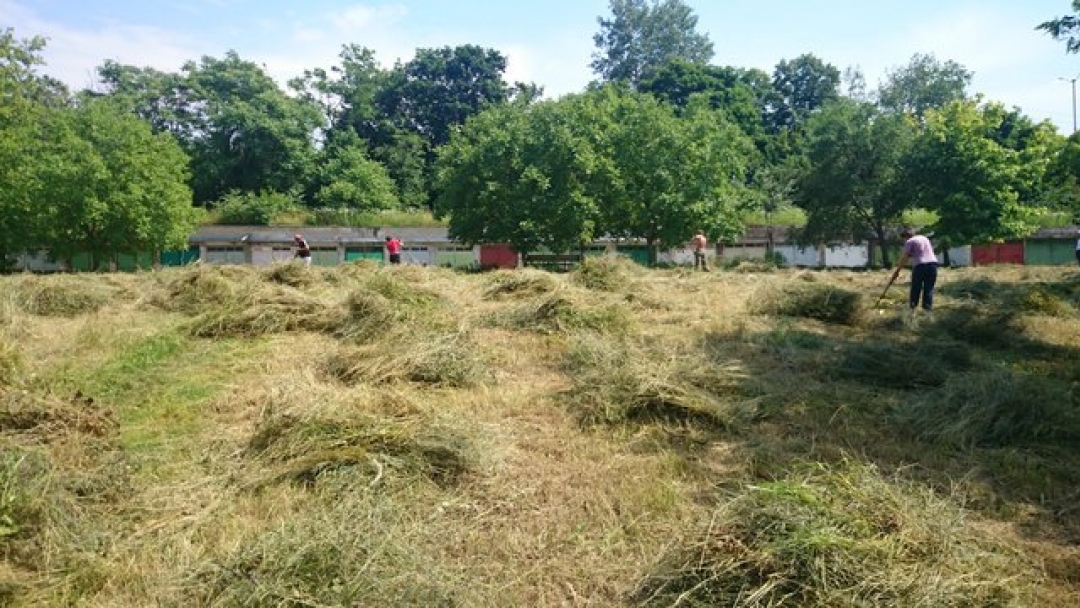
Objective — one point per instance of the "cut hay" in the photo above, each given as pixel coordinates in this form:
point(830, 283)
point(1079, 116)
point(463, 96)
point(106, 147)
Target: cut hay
point(270, 311)
point(564, 312)
point(293, 274)
point(60, 295)
point(11, 362)
point(980, 326)
point(520, 283)
point(359, 444)
point(50, 417)
point(899, 365)
point(995, 408)
point(839, 536)
point(1040, 300)
point(199, 288)
point(604, 273)
point(615, 383)
point(368, 315)
point(812, 300)
point(445, 360)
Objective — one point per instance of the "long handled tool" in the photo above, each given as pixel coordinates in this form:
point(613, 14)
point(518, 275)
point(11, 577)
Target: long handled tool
point(892, 279)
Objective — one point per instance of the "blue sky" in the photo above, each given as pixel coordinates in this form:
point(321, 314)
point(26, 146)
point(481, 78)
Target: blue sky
point(550, 42)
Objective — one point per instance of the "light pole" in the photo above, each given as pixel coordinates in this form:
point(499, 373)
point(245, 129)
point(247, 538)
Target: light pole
point(1073, 82)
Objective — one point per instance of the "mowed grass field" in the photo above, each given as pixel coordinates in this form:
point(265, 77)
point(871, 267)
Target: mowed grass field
point(614, 436)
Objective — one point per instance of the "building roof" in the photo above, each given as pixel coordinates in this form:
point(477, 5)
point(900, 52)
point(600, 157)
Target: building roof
point(315, 235)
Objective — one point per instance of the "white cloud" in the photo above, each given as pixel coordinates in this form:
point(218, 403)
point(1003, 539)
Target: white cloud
point(72, 55)
point(364, 17)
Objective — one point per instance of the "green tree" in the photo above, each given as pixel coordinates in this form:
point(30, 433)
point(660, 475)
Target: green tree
point(424, 100)
point(163, 99)
point(673, 174)
point(969, 179)
point(853, 179)
point(250, 136)
point(642, 36)
point(522, 175)
point(923, 84)
point(608, 162)
point(29, 148)
point(441, 88)
point(1062, 178)
point(802, 86)
point(742, 95)
point(349, 179)
point(1065, 28)
point(128, 192)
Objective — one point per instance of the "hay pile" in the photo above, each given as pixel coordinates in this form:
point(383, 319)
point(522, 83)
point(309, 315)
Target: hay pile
point(819, 301)
point(841, 535)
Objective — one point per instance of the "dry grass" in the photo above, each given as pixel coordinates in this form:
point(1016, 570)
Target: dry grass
point(292, 436)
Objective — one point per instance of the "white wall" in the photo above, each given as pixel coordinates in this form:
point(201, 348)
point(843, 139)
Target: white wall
point(847, 256)
point(800, 256)
point(958, 256)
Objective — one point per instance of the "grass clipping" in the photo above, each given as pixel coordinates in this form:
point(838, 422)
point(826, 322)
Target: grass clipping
point(60, 295)
point(358, 441)
point(615, 382)
point(442, 360)
point(825, 303)
point(840, 535)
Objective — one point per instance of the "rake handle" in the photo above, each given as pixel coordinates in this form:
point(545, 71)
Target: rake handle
point(892, 279)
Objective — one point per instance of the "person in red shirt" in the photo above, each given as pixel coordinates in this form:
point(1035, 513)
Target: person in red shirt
point(393, 249)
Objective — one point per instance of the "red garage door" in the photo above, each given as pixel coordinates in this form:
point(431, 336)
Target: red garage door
point(998, 253)
point(498, 256)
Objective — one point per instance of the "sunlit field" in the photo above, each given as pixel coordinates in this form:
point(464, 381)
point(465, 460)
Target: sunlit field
point(613, 436)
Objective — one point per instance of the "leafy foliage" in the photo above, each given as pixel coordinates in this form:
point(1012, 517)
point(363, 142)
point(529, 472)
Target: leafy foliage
point(924, 84)
point(253, 208)
point(854, 181)
point(1065, 28)
point(803, 85)
point(642, 35)
point(970, 180)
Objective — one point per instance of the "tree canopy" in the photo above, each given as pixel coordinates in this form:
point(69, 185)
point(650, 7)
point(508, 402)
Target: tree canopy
point(607, 163)
point(664, 143)
point(641, 36)
point(1066, 28)
point(854, 181)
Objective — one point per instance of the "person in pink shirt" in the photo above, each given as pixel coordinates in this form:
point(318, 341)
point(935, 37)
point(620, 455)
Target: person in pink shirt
point(924, 267)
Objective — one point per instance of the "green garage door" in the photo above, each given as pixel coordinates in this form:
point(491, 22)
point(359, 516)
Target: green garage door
point(179, 258)
point(373, 253)
point(638, 254)
point(1049, 252)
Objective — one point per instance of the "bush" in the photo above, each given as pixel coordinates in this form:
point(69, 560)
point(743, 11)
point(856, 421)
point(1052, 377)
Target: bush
point(341, 216)
point(253, 209)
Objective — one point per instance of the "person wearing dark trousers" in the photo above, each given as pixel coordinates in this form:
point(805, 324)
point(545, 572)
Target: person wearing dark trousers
point(1078, 249)
point(924, 271)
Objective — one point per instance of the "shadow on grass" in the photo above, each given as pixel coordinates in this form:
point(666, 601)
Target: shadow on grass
point(905, 430)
